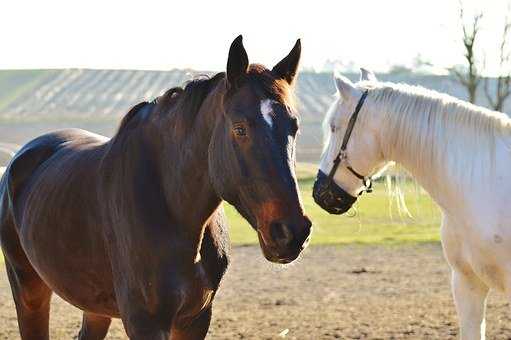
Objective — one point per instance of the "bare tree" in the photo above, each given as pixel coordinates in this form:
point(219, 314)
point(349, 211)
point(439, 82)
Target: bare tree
point(470, 78)
point(503, 86)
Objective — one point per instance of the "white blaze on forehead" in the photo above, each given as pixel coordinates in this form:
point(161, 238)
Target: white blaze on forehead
point(267, 111)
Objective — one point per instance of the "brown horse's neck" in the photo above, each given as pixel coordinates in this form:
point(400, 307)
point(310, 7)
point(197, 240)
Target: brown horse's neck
point(184, 164)
point(156, 166)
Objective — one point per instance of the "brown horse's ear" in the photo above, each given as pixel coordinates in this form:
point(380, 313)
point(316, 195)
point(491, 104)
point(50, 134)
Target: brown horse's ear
point(237, 63)
point(287, 68)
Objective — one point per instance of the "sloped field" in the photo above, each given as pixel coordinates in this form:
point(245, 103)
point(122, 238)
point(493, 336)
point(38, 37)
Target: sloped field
point(99, 93)
point(36, 101)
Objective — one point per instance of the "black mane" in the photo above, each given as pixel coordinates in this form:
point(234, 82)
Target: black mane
point(188, 99)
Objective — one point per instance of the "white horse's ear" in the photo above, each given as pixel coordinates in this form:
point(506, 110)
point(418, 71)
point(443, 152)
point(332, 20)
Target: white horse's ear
point(344, 85)
point(365, 74)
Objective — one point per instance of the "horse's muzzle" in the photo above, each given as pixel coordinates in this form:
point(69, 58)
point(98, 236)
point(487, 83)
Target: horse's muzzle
point(285, 239)
point(331, 197)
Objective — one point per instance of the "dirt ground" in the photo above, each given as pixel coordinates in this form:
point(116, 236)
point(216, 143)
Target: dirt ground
point(352, 292)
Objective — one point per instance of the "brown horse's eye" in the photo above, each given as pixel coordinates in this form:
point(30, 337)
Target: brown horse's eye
point(240, 131)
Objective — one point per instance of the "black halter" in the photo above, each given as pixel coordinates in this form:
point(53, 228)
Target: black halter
point(342, 156)
point(327, 194)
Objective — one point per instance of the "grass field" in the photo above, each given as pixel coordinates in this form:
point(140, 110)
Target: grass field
point(376, 219)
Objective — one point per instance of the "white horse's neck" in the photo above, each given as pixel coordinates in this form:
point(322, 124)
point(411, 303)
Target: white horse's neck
point(447, 145)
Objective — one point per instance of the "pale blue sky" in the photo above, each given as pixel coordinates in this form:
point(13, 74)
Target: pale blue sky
point(196, 34)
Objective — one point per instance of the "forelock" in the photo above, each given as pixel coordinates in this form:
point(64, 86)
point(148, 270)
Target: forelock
point(267, 86)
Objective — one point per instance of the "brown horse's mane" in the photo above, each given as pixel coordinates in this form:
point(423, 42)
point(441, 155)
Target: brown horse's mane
point(188, 99)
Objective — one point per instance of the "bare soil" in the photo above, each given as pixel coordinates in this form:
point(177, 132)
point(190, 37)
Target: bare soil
point(351, 292)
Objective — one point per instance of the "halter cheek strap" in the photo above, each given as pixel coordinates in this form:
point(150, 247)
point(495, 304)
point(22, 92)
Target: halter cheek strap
point(342, 156)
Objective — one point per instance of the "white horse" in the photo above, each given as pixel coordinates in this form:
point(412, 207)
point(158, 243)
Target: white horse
point(460, 154)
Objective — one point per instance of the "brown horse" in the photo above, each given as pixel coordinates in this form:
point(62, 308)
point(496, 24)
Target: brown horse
point(133, 227)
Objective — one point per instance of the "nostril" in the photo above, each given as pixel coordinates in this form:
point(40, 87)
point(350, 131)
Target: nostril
point(281, 233)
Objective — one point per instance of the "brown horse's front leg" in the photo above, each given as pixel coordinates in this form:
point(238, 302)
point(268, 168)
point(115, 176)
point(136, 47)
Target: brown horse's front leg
point(149, 302)
point(197, 330)
point(141, 334)
point(142, 322)
point(161, 288)
point(94, 327)
point(185, 313)
point(190, 320)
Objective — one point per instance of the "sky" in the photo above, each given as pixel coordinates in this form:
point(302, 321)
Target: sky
point(163, 35)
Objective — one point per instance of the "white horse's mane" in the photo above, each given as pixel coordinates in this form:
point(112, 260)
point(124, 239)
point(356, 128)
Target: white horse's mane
point(435, 128)
point(417, 100)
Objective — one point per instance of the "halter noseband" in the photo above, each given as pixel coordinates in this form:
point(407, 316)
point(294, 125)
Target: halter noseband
point(343, 156)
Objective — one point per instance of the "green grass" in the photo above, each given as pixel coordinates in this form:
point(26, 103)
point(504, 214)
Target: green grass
point(375, 221)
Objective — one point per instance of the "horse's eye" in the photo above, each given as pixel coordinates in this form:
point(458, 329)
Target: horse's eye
point(240, 131)
point(332, 128)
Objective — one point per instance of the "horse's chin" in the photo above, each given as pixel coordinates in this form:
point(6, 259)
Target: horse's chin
point(275, 256)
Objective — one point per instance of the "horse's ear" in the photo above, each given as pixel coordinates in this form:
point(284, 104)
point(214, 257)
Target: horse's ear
point(366, 74)
point(237, 63)
point(344, 85)
point(287, 68)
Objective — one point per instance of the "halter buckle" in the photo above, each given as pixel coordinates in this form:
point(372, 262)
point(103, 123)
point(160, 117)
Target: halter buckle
point(343, 155)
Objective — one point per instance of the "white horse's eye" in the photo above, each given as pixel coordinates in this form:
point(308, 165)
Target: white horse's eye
point(332, 128)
